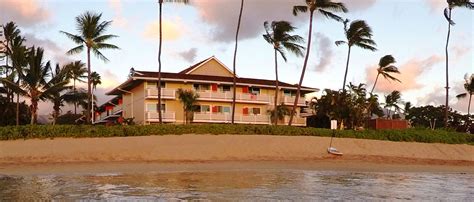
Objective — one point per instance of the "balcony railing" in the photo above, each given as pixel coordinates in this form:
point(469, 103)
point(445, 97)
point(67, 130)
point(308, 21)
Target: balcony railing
point(165, 116)
point(290, 100)
point(297, 121)
point(227, 118)
point(166, 93)
point(239, 97)
point(116, 109)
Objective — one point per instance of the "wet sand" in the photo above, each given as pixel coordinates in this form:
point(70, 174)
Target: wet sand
point(195, 152)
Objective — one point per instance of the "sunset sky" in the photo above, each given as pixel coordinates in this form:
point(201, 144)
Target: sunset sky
point(413, 31)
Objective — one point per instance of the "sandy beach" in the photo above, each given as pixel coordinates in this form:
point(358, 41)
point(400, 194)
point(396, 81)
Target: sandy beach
point(228, 151)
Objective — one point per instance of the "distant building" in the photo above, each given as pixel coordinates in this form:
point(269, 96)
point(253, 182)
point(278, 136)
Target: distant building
point(213, 81)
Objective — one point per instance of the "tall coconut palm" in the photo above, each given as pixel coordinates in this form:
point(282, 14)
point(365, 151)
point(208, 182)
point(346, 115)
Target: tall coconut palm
point(91, 36)
point(189, 100)
point(325, 7)
point(278, 35)
point(386, 68)
point(18, 54)
point(234, 81)
point(160, 5)
point(77, 71)
point(33, 81)
point(447, 13)
point(469, 87)
point(10, 32)
point(358, 34)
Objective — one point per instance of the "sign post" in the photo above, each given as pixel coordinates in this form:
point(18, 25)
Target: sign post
point(333, 128)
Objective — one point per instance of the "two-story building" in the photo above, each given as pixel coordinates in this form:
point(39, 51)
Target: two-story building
point(213, 81)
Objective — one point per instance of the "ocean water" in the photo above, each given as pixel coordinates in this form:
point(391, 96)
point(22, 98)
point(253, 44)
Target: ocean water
point(284, 184)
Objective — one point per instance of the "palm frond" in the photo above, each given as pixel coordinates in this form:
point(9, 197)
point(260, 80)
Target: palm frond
point(386, 60)
point(338, 43)
point(75, 38)
point(462, 95)
point(99, 46)
point(75, 50)
point(446, 15)
point(299, 9)
point(101, 39)
point(331, 15)
point(98, 54)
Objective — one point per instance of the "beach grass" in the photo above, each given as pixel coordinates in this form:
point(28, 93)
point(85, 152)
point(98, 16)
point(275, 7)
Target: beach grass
point(80, 131)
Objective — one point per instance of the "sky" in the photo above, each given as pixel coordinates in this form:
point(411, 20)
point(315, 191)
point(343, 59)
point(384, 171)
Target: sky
point(413, 31)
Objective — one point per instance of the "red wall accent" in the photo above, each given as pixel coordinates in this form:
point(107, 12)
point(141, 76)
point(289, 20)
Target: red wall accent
point(387, 124)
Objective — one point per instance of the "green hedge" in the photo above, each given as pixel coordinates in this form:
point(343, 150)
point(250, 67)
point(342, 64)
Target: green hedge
point(76, 131)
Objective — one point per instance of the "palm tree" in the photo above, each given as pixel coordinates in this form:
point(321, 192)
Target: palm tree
point(234, 86)
point(189, 99)
point(10, 32)
point(18, 55)
point(278, 113)
point(33, 83)
point(95, 80)
point(447, 13)
point(160, 3)
point(386, 69)
point(277, 34)
point(91, 35)
point(324, 7)
point(77, 72)
point(61, 75)
point(469, 87)
point(392, 100)
point(358, 34)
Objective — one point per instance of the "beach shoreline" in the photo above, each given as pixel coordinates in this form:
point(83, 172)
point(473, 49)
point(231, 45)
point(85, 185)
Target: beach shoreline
point(227, 152)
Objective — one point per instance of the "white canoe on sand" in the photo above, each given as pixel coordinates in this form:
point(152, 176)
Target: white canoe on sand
point(334, 151)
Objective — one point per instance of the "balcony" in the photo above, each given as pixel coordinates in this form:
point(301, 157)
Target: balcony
point(165, 116)
point(166, 93)
point(227, 118)
point(239, 97)
point(297, 121)
point(290, 100)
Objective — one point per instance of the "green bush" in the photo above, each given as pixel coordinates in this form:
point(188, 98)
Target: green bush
point(78, 131)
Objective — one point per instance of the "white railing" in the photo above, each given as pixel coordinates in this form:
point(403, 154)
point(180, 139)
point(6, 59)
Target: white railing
point(116, 109)
point(165, 116)
point(227, 118)
point(290, 100)
point(166, 93)
point(297, 121)
point(227, 96)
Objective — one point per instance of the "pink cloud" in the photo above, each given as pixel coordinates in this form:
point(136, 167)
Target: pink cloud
point(118, 20)
point(23, 12)
point(436, 5)
point(410, 72)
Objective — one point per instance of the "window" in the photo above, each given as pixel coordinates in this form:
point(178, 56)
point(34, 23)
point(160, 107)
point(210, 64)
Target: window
point(204, 108)
point(225, 88)
point(255, 111)
point(153, 107)
point(254, 90)
point(289, 93)
point(153, 84)
point(226, 109)
point(201, 87)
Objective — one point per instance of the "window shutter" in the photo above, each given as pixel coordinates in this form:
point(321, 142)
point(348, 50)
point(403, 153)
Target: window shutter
point(109, 107)
point(214, 109)
point(120, 101)
point(246, 111)
point(245, 89)
point(214, 87)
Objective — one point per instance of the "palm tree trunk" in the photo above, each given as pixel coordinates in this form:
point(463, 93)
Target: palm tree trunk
point(304, 68)
point(447, 71)
point(276, 89)
point(89, 94)
point(347, 69)
point(469, 105)
point(75, 96)
point(235, 58)
point(375, 83)
point(34, 108)
point(160, 118)
point(17, 109)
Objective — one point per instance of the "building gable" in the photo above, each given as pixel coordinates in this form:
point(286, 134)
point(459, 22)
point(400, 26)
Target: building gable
point(211, 67)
